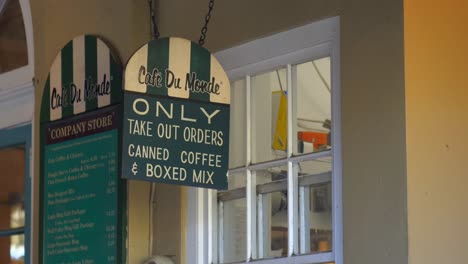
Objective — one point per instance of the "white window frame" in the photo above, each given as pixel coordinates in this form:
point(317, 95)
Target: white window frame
point(17, 108)
point(16, 86)
point(298, 45)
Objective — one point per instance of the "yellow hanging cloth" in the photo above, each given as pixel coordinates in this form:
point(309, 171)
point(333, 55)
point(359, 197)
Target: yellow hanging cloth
point(280, 139)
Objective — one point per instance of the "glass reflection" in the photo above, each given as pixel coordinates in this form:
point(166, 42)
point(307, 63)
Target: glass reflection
point(12, 249)
point(272, 204)
point(269, 116)
point(238, 123)
point(12, 167)
point(233, 205)
point(313, 106)
point(234, 230)
point(315, 195)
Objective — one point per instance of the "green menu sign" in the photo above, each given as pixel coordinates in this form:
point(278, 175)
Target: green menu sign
point(81, 193)
point(176, 116)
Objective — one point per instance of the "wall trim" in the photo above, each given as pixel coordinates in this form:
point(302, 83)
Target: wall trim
point(16, 86)
point(16, 105)
point(239, 60)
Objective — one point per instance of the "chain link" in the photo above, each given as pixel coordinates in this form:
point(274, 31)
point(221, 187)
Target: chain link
point(154, 23)
point(205, 27)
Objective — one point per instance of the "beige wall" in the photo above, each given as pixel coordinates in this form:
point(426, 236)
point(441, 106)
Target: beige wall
point(235, 22)
point(373, 118)
point(436, 38)
point(373, 104)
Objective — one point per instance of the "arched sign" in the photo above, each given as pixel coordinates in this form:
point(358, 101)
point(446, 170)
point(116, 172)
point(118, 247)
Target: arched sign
point(81, 210)
point(176, 115)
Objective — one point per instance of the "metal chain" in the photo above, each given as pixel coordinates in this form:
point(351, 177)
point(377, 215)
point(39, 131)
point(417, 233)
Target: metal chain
point(205, 27)
point(154, 23)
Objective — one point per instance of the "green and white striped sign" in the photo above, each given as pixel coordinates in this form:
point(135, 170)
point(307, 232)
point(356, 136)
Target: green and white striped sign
point(84, 76)
point(82, 198)
point(177, 67)
point(176, 116)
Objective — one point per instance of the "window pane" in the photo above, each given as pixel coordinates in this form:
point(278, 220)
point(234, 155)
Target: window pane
point(13, 50)
point(272, 212)
point(320, 218)
point(313, 106)
point(237, 135)
point(276, 219)
point(233, 222)
point(166, 202)
point(12, 168)
point(314, 167)
point(269, 116)
point(237, 180)
point(234, 226)
point(315, 205)
point(12, 249)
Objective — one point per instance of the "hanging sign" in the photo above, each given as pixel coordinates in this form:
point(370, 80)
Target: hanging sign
point(81, 194)
point(176, 115)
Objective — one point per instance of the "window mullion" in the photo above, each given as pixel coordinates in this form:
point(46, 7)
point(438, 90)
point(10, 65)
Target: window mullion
point(337, 214)
point(251, 216)
point(221, 232)
point(248, 119)
point(291, 111)
point(292, 172)
point(212, 226)
point(292, 72)
point(292, 209)
point(200, 226)
point(12, 232)
point(304, 205)
point(262, 241)
point(251, 250)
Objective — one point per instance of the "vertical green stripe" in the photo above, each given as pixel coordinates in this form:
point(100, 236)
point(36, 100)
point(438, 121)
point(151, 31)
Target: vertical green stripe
point(67, 79)
point(115, 80)
point(200, 64)
point(45, 105)
point(158, 58)
point(90, 72)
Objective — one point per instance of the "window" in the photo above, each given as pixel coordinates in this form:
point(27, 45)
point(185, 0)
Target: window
point(16, 114)
point(16, 53)
point(283, 203)
point(14, 194)
point(13, 49)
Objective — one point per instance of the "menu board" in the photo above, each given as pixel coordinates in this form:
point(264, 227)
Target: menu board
point(81, 197)
point(80, 189)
